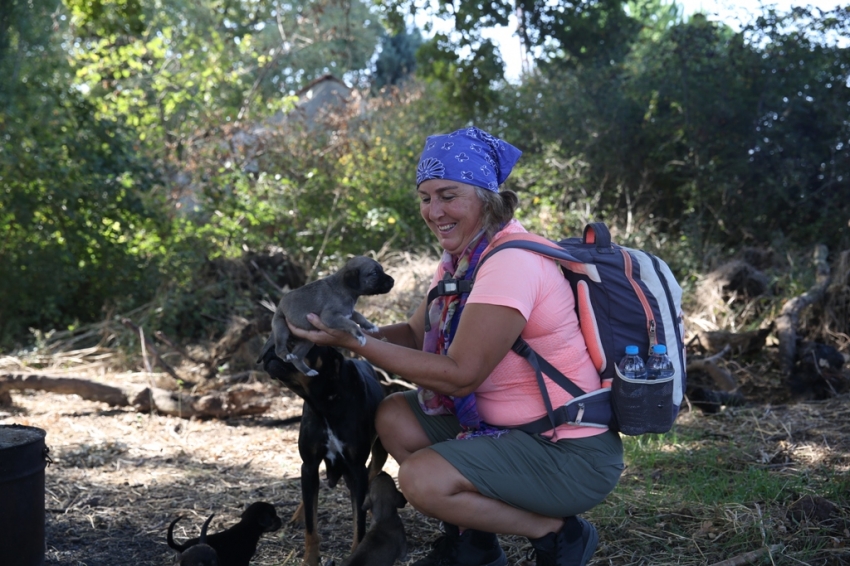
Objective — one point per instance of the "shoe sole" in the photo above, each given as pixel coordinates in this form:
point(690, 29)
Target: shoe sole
point(591, 543)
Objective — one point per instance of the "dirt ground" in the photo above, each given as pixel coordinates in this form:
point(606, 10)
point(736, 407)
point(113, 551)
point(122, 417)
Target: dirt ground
point(119, 477)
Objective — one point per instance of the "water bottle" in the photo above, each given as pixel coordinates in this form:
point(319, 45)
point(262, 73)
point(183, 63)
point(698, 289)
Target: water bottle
point(659, 365)
point(632, 366)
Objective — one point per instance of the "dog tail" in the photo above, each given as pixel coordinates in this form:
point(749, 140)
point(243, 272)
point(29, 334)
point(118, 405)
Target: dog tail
point(203, 539)
point(170, 537)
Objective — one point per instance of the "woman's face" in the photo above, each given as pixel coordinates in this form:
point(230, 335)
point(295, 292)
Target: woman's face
point(452, 211)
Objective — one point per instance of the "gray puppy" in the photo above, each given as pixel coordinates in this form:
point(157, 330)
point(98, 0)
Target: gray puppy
point(333, 299)
point(200, 554)
point(385, 542)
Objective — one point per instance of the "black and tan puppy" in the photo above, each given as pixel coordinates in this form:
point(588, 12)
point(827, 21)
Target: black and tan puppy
point(337, 427)
point(333, 299)
point(200, 554)
point(236, 545)
point(385, 542)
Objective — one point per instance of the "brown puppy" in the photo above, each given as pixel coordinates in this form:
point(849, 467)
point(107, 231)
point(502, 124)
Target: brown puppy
point(200, 554)
point(236, 545)
point(385, 542)
point(333, 299)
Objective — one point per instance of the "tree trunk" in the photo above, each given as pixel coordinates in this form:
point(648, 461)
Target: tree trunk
point(786, 324)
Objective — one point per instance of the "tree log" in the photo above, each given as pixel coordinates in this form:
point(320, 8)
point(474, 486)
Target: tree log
point(239, 400)
point(789, 317)
point(89, 390)
point(739, 342)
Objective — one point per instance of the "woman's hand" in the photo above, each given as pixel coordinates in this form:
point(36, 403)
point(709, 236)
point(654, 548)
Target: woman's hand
point(324, 336)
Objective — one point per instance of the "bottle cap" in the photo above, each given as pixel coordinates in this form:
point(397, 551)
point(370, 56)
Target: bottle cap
point(659, 349)
point(631, 350)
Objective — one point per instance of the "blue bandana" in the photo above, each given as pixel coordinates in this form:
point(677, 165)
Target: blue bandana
point(468, 155)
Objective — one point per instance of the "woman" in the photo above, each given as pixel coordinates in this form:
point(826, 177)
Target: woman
point(459, 459)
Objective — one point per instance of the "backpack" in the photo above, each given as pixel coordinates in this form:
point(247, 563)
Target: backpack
point(623, 297)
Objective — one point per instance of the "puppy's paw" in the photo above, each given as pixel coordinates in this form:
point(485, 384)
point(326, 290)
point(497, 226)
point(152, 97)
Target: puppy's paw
point(361, 340)
point(370, 328)
point(311, 373)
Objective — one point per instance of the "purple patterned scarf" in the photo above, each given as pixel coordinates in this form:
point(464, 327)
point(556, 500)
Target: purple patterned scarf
point(444, 314)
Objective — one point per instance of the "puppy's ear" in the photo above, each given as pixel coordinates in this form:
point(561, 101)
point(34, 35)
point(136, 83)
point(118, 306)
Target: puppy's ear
point(400, 500)
point(367, 503)
point(351, 278)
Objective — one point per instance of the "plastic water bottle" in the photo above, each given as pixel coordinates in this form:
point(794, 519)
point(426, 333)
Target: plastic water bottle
point(632, 366)
point(659, 365)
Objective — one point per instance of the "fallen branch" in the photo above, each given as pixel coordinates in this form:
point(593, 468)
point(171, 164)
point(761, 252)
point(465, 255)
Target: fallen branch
point(89, 390)
point(749, 557)
point(271, 282)
point(739, 342)
point(242, 399)
point(786, 324)
point(178, 348)
point(149, 347)
point(239, 331)
point(722, 378)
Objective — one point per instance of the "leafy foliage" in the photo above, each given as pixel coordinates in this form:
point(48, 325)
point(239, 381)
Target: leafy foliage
point(141, 140)
point(691, 134)
point(75, 227)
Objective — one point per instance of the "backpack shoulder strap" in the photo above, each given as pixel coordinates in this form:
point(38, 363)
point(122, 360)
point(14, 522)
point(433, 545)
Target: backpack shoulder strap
point(523, 240)
point(527, 241)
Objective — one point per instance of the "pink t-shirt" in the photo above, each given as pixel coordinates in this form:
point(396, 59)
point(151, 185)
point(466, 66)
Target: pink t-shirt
point(536, 287)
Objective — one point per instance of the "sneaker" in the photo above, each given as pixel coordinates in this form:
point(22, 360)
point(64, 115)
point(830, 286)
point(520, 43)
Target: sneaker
point(554, 550)
point(472, 548)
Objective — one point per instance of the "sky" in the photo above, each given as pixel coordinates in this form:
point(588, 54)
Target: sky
point(728, 11)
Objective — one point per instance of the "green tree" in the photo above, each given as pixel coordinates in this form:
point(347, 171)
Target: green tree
point(73, 218)
point(724, 137)
point(397, 59)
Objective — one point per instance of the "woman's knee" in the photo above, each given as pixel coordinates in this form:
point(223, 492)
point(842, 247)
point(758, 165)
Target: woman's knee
point(399, 429)
point(388, 412)
point(426, 479)
point(416, 481)
point(390, 421)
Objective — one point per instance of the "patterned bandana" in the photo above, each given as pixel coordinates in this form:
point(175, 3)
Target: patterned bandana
point(468, 155)
point(445, 314)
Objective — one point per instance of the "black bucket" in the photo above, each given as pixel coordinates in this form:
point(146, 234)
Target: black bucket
point(22, 461)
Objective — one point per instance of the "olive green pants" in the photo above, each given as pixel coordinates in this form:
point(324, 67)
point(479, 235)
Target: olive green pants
point(527, 471)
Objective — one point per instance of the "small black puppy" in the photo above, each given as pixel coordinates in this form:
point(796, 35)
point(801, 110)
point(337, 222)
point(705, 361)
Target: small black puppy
point(337, 427)
point(200, 554)
point(385, 542)
point(236, 545)
point(333, 299)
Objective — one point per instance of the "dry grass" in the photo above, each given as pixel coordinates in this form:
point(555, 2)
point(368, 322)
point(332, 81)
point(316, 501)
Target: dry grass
point(118, 478)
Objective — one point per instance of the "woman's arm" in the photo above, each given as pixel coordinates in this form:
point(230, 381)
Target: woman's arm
point(484, 336)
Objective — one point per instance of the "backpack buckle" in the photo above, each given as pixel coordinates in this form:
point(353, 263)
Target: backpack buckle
point(453, 287)
point(580, 414)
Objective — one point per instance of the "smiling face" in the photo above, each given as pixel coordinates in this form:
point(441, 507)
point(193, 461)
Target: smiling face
point(452, 210)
